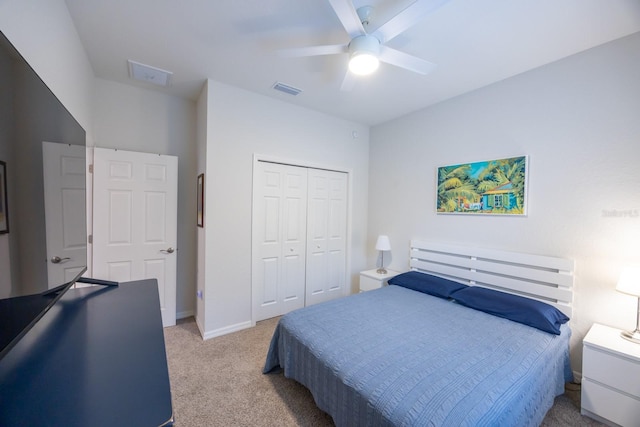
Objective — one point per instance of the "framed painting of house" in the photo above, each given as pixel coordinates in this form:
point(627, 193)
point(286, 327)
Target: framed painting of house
point(4, 209)
point(492, 187)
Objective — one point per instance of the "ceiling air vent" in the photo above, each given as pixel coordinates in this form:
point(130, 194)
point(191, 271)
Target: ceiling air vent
point(290, 90)
point(149, 74)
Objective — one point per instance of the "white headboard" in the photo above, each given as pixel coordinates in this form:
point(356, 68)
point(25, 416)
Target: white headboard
point(544, 278)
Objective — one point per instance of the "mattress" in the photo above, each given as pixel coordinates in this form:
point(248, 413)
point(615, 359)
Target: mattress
point(397, 357)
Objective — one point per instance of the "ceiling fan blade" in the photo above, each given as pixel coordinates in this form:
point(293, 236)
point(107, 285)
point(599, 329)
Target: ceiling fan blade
point(415, 12)
point(313, 51)
point(403, 60)
point(348, 17)
point(348, 82)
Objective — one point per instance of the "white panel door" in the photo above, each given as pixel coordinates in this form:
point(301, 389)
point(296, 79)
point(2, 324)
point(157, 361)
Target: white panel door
point(278, 234)
point(64, 173)
point(326, 235)
point(135, 221)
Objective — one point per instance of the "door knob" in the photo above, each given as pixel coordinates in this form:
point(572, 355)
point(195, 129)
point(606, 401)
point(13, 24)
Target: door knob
point(58, 260)
point(167, 251)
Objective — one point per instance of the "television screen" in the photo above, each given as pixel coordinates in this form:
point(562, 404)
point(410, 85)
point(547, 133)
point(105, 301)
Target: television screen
point(43, 239)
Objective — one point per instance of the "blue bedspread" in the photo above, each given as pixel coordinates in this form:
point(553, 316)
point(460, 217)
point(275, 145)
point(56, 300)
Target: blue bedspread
point(397, 357)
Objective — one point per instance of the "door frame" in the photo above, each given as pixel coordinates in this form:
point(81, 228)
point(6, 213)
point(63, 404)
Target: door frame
point(312, 165)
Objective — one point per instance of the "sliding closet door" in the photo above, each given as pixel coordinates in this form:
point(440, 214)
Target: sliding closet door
point(326, 235)
point(278, 234)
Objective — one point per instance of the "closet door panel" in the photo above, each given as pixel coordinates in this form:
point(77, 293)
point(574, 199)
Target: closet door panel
point(326, 236)
point(278, 239)
point(336, 272)
point(269, 282)
point(316, 275)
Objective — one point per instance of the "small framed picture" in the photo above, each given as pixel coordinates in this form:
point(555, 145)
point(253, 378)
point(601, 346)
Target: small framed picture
point(4, 209)
point(200, 196)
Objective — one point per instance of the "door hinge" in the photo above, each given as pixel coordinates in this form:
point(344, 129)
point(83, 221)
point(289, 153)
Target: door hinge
point(90, 168)
point(90, 238)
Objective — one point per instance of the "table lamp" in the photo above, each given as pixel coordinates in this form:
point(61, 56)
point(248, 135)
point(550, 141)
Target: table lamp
point(382, 244)
point(629, 283)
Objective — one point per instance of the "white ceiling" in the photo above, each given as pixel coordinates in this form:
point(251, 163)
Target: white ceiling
point(473, 42)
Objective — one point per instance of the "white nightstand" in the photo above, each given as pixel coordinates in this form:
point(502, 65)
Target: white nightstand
point(610, 377)
point(371, 280)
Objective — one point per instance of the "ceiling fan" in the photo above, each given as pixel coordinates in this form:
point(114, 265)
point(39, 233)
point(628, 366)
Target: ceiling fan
point(366, 49)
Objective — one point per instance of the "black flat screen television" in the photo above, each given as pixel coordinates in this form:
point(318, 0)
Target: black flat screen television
point(43, 238)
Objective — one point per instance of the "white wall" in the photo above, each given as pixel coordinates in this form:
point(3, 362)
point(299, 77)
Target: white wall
point(240, 124)
point(201, 138)
point(577, 120)
point(44, 34)
point(136, 119)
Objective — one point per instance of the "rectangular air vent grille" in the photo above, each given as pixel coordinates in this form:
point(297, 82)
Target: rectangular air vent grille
point(290, 90)
point(149, 74)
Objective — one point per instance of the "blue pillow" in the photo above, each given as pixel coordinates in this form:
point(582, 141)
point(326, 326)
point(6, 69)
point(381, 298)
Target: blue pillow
point(426, 283)
point(513, 307)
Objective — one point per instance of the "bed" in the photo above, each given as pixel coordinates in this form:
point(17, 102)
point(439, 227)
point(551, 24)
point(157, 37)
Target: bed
point(415, 353)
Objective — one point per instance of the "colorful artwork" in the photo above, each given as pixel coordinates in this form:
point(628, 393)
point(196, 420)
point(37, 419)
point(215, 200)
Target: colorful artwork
point(495, 187)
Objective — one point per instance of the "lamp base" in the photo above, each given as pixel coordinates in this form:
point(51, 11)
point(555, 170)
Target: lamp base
point(633, 336)
point(383, 271)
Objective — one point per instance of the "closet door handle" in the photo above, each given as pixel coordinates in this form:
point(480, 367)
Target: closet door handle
point(167, 251)
point(58, 260)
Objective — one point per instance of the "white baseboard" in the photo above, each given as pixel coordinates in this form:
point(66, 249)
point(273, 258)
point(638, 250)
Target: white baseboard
point(226, 330)
point(200, 327)
point(185, 314)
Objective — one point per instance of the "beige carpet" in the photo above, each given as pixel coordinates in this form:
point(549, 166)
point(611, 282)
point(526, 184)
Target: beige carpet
point(219, 382)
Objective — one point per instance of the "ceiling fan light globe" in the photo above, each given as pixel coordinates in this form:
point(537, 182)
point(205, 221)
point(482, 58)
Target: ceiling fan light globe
point(364, 52)
point(363, 64)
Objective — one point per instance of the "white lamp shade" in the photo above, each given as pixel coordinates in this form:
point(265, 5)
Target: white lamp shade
point(383, 244)
point(629, 281)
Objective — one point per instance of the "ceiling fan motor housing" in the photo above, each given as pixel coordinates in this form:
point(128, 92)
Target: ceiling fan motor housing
point(365, 44)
